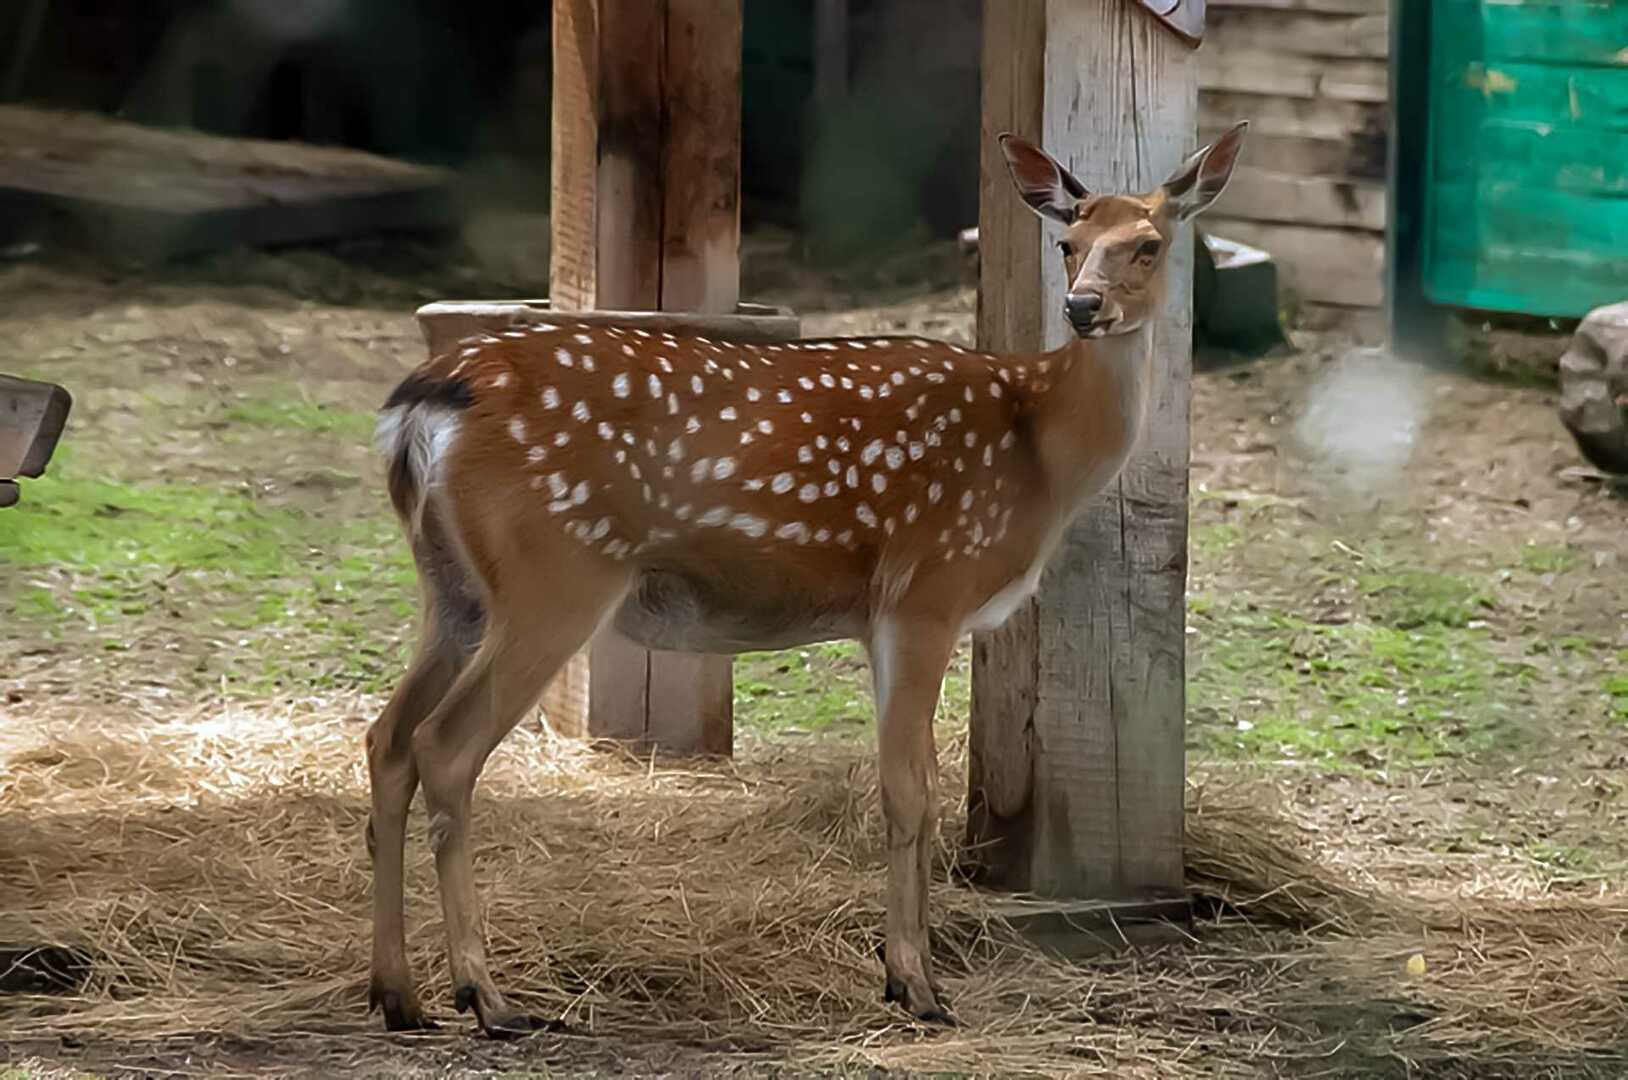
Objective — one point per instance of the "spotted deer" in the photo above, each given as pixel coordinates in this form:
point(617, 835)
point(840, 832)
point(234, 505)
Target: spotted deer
point(717, 497)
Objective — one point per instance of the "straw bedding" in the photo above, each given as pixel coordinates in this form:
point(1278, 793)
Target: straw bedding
point(212, 866)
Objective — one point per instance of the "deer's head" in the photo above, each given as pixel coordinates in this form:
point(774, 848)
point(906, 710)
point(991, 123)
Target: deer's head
point(1114, 246)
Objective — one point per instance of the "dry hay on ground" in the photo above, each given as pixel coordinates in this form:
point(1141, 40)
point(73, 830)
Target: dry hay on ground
point(212, 864)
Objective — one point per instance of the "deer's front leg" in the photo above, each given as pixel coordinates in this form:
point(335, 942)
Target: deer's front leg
point(908, 662)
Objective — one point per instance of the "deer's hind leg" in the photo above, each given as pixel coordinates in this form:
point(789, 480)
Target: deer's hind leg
point(454, 619)
point(537, 619)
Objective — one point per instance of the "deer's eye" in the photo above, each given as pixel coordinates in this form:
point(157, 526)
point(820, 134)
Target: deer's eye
point(1149, 249)
point(1066, 248)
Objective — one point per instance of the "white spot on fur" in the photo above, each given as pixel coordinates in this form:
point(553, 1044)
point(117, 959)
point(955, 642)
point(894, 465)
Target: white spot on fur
point(782, 483)
point(808, 492)
point(620, 386)
point(563, 355)
point(517, 429)
point(750, 524)
point(794, 530)
point(579, 412)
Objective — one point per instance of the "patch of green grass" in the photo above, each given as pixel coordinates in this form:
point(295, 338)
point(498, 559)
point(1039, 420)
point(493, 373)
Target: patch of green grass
point(269, 596)
point(826, 689)
point(1408, 598)
point(1267, 683)
point(818, 689)
point(1565, 860)
point(1216, 539)
point(1548, 559)
point(350, 425)
point(1616, 691)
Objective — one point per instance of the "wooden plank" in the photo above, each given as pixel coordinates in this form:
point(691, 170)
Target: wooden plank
point(181, 193)
point(1308, 118)
point(1093, 669)
point(701, 157)
point(1259, 195)
point(1359, 158)
point(691, 697)
point(1300, 34)
point(446, 321)
point(1330, 266)
point(1535, 156)
point(1342, 140)
point(646, 217)
point(574, 155)
point(1260, 71)
point(1011, 249)
point(630, 199)
point(1570, 34)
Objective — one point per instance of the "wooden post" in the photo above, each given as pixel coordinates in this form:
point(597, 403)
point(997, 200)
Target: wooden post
point(1077, 714)
point(646, 216)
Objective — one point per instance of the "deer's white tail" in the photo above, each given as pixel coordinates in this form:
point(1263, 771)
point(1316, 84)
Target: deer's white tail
point(417, 427)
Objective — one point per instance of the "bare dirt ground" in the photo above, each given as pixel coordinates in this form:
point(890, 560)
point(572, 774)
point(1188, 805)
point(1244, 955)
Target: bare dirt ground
point(1409, 629)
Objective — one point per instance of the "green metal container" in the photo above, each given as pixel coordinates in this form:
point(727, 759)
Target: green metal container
point(1525, 186)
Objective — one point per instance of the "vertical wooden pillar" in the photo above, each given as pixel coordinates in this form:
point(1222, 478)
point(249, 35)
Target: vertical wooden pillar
point(1077, 723)
point(646, 216)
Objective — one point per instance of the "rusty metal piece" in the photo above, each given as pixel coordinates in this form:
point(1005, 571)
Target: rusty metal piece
point(1184, 17)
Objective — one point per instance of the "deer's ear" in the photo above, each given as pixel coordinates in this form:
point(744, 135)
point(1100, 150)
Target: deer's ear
point(1199, 180)
point(1049, 189)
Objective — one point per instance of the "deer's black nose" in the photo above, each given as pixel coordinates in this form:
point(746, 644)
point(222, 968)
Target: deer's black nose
point(1082, 308)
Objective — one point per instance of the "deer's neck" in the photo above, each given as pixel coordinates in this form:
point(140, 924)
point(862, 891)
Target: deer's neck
point(1089, 419)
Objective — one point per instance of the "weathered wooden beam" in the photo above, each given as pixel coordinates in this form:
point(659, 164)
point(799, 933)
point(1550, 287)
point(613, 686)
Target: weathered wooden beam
point(646, 216)
point(1256, 194)
point(1077, 741)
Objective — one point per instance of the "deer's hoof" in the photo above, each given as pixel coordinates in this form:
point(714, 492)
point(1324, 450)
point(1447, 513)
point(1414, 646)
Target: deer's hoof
point(927, 1007)
point(401, 1012)
point(503, 1023)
